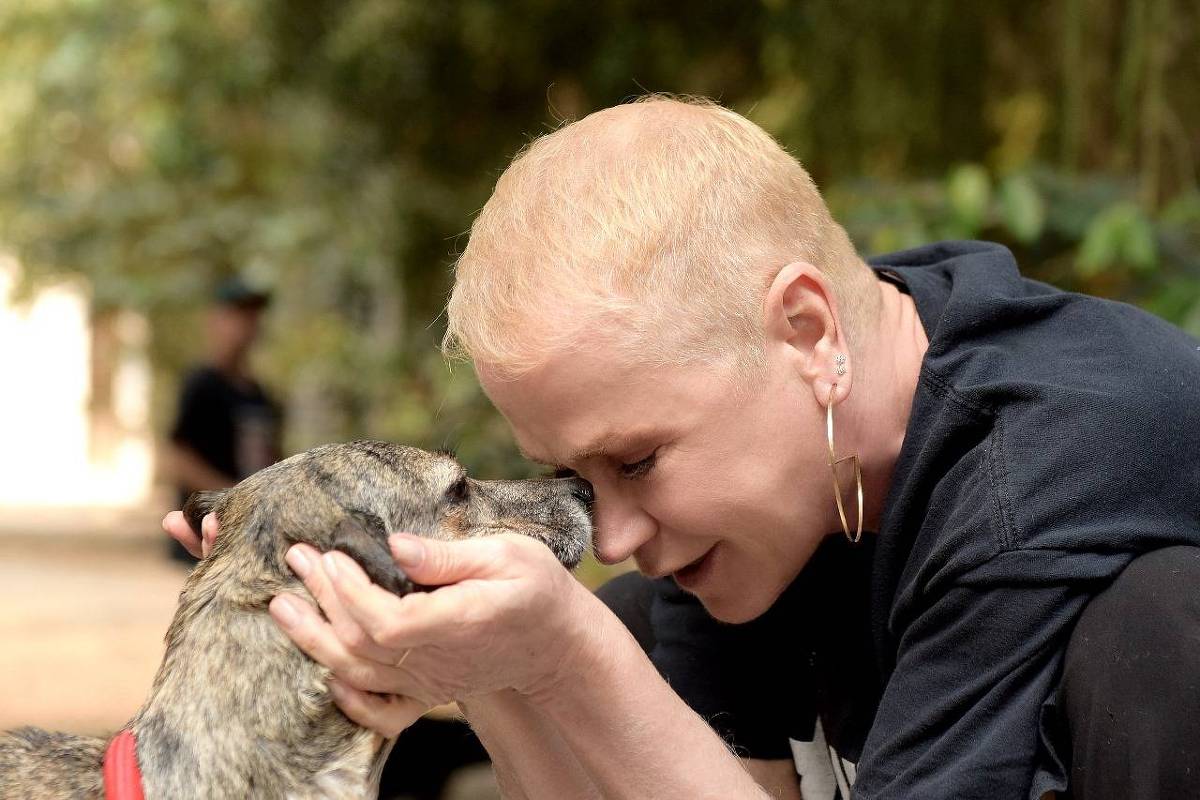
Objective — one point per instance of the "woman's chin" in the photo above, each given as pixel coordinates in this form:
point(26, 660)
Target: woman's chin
point(736, 607)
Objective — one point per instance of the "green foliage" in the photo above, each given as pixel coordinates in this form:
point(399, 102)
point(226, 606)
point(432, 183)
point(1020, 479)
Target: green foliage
point(1022, 208)
point(338, 149)
point(1121, 234)
point(969, 190)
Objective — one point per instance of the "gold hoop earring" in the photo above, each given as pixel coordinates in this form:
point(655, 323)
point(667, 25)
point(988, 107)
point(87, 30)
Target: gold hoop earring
point(837, 487)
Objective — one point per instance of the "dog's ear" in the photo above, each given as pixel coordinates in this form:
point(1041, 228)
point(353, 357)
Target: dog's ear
point(363, 537)
point(199, 504)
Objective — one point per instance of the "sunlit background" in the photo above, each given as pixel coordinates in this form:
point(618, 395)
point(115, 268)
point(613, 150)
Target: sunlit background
point(336, 150)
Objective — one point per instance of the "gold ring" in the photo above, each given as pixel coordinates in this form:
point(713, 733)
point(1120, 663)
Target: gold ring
point(400, 663)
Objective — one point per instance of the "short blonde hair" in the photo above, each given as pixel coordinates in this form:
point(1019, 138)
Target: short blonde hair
point(656, 226)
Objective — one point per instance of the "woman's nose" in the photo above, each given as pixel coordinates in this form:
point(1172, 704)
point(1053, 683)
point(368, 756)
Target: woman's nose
point(620, 527)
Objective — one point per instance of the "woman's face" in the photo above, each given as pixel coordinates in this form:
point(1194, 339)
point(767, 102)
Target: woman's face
point(729, 492)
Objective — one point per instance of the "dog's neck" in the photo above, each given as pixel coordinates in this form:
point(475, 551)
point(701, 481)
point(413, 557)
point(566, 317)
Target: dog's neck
point(236, 708)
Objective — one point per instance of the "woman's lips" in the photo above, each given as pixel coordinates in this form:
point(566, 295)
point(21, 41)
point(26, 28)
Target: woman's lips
point(696, 572)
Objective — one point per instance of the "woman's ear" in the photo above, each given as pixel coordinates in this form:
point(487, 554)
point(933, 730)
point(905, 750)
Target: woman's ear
point(801, 315)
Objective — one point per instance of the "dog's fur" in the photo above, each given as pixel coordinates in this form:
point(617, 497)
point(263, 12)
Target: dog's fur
point(236, 710)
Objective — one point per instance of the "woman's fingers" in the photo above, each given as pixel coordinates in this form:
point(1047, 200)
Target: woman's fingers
point(316, 637)
point(307, 563)
point(176, 526)
point(387, 715)
point(499, 600)
point(393, 623)
point(436, 563)
point(362, 687)
point(208, 533)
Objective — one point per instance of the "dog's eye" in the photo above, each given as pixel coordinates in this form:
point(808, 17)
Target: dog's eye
point(457, 492)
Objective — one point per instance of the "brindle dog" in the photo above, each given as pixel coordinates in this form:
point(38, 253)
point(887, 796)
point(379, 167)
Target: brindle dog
point(236, 711)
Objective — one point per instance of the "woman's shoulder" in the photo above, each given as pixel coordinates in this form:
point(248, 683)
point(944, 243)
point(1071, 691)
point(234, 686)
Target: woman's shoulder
point(991, 328)
point(1045, 419)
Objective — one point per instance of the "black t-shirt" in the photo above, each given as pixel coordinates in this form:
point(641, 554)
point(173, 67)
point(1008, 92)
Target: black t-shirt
point(1053, 438)
point(233, 425)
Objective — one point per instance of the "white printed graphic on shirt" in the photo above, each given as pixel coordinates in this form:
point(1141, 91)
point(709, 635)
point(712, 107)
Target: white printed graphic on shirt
point(824, 775)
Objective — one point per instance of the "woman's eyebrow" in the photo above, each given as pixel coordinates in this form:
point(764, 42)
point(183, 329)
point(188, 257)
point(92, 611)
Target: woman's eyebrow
point(579, 455)
point(602, 447)
point(595, 451)
point(616, 443)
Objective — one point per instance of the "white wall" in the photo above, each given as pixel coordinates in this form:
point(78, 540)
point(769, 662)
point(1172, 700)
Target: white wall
point(47, 452)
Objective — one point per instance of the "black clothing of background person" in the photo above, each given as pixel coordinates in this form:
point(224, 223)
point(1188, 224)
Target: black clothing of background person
point(226, 427)
point(233, 424)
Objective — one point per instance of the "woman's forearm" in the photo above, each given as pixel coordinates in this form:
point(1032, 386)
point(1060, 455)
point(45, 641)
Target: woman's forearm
point(630, 733)
point(609, 727)
point(530, 757)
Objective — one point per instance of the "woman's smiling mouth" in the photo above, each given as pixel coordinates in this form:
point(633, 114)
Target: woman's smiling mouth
point(696, 572)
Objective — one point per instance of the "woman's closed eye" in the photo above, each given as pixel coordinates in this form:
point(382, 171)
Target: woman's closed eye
point(638, 469)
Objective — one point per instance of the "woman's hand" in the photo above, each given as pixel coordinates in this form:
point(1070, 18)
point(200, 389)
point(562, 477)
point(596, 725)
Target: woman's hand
point(507, 616)
point(506, 622)
point(176, 525)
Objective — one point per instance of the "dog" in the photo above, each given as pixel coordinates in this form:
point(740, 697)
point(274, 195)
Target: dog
point(236, 710)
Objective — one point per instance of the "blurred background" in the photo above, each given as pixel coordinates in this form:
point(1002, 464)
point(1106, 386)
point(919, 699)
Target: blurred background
point(331, 154)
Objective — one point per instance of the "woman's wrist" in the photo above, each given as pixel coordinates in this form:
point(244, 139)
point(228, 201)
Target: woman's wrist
point(633, 736)
point(586, 636)
point(530, 757)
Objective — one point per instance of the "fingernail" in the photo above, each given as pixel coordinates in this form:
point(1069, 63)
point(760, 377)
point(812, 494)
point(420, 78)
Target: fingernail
point(283, 610)
point(164, 522)
point(408, 550)
point(330, 562)
point(298, 562)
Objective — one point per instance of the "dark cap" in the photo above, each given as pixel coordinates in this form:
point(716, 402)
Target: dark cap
point(236, 292)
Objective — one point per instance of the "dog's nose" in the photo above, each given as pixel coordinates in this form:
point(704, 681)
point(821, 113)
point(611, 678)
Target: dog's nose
point(581, 490)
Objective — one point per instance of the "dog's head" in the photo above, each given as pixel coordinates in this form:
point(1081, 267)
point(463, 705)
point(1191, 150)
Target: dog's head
point(226, 659)
point(349, 497)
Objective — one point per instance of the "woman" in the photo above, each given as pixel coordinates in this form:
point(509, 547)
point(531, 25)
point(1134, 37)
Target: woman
point(657, 299)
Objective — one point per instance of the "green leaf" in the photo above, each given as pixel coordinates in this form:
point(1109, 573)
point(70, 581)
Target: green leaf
point(1022, 208)
point(1138, 247)
point(1101, 245)
point(1119, 235)
point(969, 190)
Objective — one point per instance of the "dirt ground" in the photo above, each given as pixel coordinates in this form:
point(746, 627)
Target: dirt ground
point(81, 629)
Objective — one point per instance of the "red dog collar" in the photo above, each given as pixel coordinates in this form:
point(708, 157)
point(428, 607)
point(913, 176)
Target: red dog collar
point(122, 778)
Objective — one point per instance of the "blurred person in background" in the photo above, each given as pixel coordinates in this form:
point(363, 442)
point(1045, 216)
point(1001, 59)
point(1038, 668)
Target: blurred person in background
point(227, 426)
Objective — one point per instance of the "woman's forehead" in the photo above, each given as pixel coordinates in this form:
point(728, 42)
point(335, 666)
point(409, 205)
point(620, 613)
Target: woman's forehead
point(565, 412)
point(572, 384)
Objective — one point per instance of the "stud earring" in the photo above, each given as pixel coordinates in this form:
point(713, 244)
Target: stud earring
point(840, 361)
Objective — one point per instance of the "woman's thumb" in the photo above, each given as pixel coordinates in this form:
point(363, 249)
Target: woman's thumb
point(437, 563)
